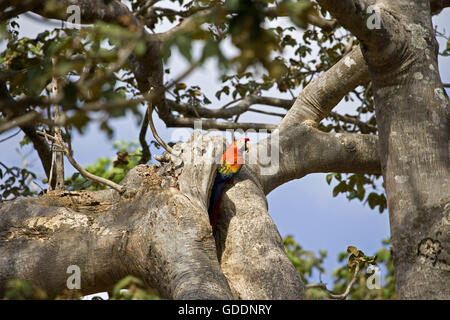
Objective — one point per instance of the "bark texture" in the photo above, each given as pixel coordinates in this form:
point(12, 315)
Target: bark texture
point(157, 230)
point(153, 231)
point(413, 115)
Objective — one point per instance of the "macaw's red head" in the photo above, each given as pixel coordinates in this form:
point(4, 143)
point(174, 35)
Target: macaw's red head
point(233, 155)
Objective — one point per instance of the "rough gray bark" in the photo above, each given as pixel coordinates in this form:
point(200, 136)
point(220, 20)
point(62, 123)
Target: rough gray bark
point(157, 230)
point(153, 231)
point(412, 111)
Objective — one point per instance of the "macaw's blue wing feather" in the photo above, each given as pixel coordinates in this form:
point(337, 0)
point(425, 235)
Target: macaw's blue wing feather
point(215, 199)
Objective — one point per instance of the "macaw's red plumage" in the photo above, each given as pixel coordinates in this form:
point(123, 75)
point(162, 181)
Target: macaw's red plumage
point(231, 162)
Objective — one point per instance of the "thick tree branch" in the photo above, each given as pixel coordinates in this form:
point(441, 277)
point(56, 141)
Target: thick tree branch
point(207, 124)
point(318, 98)
point(250, 248)
point(90, 10)
point(301, 148)
point(360, 18)
point(110, 236)
point(142, 140)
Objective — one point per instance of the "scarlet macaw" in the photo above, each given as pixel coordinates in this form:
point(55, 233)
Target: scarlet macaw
point(232, 162)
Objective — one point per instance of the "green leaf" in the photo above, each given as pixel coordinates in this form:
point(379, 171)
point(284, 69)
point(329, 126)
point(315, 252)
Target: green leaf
point(140, 48)
point(184, 45)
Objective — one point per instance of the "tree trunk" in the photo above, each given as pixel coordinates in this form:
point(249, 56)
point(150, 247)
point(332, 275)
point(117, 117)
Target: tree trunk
point(412, 112)
point(413, 121)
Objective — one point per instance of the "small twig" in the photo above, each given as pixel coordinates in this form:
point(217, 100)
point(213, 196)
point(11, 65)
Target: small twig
point(155, 133)
point(50, 178)
point(123, 56)
point(230, 103)
point(332, 294)
point(142, 133)
point(267, 112)
point(11, 136)
point(59, 155)
point(80, 169)
point(365, 127)
point(147, 5)
point(19, 121)
point(181, 76)
point(155, 93)
point(93, 177)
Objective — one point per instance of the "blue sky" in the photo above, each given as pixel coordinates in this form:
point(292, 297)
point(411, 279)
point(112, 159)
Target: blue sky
point(304, 208)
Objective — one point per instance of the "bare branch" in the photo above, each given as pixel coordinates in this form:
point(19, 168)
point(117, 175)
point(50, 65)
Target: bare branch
point(80, 169)
point(59, 155)
point(267, 112)
point(332, 294)
point(312, 18)
point(155, 133)
point(19, 121)
point(318, 98)
point(10, 137)
point(365, 127)
point(207, 124)
point(91, 176)
point(142, 133)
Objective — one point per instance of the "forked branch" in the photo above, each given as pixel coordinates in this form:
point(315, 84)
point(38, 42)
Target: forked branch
point(59, 143)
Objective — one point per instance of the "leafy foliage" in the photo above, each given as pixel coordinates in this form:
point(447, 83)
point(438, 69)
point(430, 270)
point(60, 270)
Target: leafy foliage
point(354, 186)
point(15, 182)
point(304, 261)
point(115, 169)
point(128, 288)
point(83, 57)
point(132, 288)
point(23, 290)
point(307, 263)
point(359, 290)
